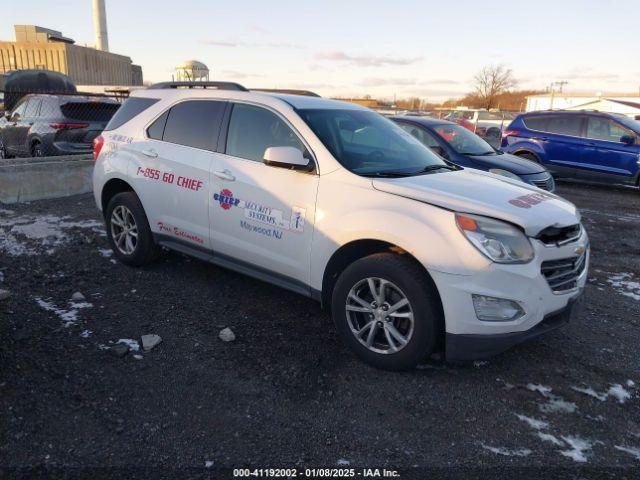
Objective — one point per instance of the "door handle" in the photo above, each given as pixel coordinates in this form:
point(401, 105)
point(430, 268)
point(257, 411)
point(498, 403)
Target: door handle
point(225, 175)
point(150, 152)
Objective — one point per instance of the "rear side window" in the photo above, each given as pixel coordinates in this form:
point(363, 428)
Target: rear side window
point(194, 124)
point(536, 123)
point(565, 125)
point(129, 109)
point(33, 108)
point(424, 137)
point(89, 111)
point(156, 130)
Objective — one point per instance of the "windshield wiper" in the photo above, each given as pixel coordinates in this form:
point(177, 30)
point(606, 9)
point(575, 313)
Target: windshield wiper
point(484, 154)
point(389, 174)
point(432, 168)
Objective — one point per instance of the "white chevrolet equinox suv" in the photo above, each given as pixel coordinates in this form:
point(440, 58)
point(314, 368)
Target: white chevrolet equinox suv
point(333, 201)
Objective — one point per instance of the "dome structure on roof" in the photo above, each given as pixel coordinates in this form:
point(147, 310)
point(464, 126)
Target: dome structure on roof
point(192, 71)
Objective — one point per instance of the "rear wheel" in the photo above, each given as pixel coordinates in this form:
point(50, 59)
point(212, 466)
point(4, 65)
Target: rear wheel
point(388, 311)
point(3, 150)
point(37, 150)
point(128, 230)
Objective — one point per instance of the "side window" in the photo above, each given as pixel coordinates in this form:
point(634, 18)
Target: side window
point(536, 123)
point(129, 109)
point(33, 108)
point(253, 129)
point(156, 129)
point(565, 125)
point(194, 123)
point(18, 112)
point(425, 137)
point(599, 128)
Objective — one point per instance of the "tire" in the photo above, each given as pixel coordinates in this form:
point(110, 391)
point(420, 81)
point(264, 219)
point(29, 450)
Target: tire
point(3, 151)
point(37, 150)
point(405, 278)
point(135, 251)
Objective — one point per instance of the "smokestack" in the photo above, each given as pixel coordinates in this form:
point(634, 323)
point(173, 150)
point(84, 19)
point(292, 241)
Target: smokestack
point(100, 25)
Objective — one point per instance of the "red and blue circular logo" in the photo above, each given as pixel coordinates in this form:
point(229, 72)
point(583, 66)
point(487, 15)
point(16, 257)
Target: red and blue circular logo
point(226, 199)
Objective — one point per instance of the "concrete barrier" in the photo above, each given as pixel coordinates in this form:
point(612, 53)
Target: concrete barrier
point(27, 179)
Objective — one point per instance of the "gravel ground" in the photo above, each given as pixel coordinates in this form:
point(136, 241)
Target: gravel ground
point(286, 392)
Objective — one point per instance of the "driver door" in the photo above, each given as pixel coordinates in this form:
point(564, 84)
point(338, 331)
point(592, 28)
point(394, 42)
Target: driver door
point(262, 217)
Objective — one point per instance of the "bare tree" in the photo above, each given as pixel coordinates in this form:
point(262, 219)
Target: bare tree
point(491, 81)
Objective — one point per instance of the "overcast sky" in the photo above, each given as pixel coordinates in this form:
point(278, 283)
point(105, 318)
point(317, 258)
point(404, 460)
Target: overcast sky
point(350, 47)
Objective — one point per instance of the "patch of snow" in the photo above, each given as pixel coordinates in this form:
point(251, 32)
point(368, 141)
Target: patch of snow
point(102, 346)
point(69, 316)
point(343, 462)
point(533, 422)
point(630, 450)
point(519, 452)
point(619, 393)
point(480, 363)
point(555, 403)
point(579, 449)
point(623, 284)
point(133, 345)
point(208, 463)
point(105, 252)
point(630, 383)
point(547, 437)
point(45, 231)
point(86, 333)
point(591, 392)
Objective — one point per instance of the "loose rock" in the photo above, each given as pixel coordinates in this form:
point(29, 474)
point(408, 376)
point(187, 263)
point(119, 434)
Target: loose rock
point(150, 341)
point(119, 350)
point(78, 297)
point(226, 335)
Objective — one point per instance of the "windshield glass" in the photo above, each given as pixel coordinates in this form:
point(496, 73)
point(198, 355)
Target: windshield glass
point(463, 141)
point(368, 144)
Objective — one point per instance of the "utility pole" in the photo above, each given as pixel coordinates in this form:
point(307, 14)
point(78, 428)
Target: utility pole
point(552, 90)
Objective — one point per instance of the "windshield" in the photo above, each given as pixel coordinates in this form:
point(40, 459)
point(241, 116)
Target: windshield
point(368, 144)
point(463, 141)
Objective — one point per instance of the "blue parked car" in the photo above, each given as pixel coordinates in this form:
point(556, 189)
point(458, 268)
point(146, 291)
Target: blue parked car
point(587, 145)
point(462, 147)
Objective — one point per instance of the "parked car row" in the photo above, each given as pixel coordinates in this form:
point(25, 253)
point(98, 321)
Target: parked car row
point(47, 125)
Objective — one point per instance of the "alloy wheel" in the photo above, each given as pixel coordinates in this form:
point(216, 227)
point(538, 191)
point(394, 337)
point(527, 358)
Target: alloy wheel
point(124, 230)
point(380, 315)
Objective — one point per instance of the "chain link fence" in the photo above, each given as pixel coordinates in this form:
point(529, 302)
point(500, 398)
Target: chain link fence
point(48, 123)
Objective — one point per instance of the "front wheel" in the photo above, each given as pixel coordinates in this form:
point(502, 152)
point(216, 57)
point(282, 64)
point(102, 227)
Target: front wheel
point(128, 230)
point(387, 310)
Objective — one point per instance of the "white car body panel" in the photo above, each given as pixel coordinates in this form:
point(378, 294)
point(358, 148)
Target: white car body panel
point(416, 213)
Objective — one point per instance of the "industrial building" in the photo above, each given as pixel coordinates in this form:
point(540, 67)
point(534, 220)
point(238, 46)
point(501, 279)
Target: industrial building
point(626, 104)
point(42, 48)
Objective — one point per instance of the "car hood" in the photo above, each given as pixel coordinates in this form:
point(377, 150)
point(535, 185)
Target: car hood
point(511, 163)
point(474, 191)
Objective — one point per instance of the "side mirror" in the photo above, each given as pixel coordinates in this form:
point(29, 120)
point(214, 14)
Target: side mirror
point(286, 157)
point(628, 139)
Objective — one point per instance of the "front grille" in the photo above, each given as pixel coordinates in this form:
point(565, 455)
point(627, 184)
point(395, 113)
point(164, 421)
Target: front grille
point(545, 184)
point(560, 235)
point(562, 275)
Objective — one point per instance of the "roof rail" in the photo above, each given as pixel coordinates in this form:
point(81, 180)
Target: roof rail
point(214, 85)
point(306, 93)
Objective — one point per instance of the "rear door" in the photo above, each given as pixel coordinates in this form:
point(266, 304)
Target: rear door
point(262, 216)
point(172, 169)
point(562, 142)
point(605, 156)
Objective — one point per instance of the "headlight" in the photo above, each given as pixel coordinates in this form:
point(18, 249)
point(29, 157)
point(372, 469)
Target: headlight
point(499, 241)
point(504, 173)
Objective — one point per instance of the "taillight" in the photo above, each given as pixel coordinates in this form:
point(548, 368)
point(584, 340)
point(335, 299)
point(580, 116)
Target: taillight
point(506, 133)
point(98, 143)
point(67, 125)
